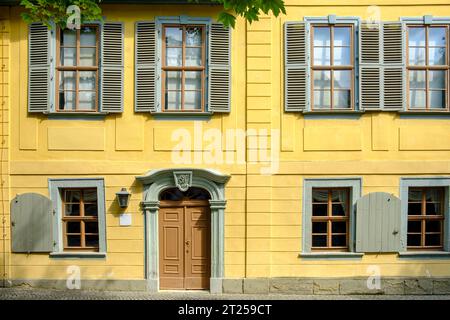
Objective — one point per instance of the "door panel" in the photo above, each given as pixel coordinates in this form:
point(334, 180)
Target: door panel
point(171, 256)
point(185, 249)
point(197, 259)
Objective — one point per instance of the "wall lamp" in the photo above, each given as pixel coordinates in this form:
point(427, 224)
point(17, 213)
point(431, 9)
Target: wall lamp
point(123, 197)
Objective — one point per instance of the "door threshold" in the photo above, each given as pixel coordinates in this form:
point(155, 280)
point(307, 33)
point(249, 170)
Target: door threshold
point(185, 291)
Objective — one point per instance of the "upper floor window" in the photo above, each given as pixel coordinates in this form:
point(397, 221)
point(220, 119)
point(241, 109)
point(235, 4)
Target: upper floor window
point(332, 67)
point(77, 69)
point(183, 68)
point(425, 217)
point(428, 67)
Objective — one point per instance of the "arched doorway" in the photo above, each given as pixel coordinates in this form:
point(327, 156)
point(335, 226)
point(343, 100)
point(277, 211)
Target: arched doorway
point(184, 239)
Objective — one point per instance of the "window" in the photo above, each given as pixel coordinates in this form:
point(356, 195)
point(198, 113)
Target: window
point(330, 219)
point(425, 218)
point(183, 68)
point(77, 69)
point(80, 219)
point(332, 67)
point(428, 66)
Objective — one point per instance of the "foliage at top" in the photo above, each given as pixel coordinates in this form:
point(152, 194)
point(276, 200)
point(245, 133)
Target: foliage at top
point(47, 11)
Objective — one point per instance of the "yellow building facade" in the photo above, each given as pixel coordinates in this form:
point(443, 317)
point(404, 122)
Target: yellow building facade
point(262, 166)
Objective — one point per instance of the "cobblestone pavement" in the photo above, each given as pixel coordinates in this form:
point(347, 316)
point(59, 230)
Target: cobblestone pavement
point(47, 294)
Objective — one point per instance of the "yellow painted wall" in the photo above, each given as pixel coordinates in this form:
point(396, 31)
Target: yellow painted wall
point(264, 212)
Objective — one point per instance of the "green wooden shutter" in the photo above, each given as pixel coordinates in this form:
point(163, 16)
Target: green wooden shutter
point(378, 223)
point(31, 223)
point(394, 71)
point(145, 67)
point(112, 67)
point(39, 72)
point(296, 74)
point(370, 68)
point(219, 69)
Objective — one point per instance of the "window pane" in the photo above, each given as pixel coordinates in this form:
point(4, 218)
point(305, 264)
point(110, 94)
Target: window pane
point(433, 226)
point(322, 56)
point(434, 194)
point(416, 36)
point(432, 240)
point(319, 210)
point(88, 57)
point(338, 209)
point(87, 80)
point(72, 196)
point(74, 241)
point(173, 100)
point(193, 100)
point(437, 56)
point(86, 100)
point(72, 210)
point(415, 226)
point(90, 195)
point(339, 227)
point(322, 80)
point(414, 209)
point(437, 99)
point(174, 36)
point(322, 99)
point(91, 241)
point(67, 80)
point(88, 36)
point(437, 79)
point(433, 208)
point(193, 36)
point(417, 99)
point(413, 240)
point(91, 210)
point(320, 195)
point(417, 56)
point(342, 36)
point(414, 195)
point(339, 195)
point(193, 57)
point(319, 227)
point(193, 80)
point(417, 79)
point(321, 36)
point(67, 100)
point(437, 36)
point(342, 79)
point(339, 241)
point(342, 99)
point(174, 56)
point(342, 56)
point(319, 241)
point(68, 57)
point(73, 227)
point(91, 227)
point(68, 38)
point(173, 80)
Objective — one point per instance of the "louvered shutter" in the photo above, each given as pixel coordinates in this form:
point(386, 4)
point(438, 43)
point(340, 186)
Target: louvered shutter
point(112, 67)
point(296, 80)
point(394, 73)
point(39, 60)
point(370, 66)
point(219, 69)
point(145, 67)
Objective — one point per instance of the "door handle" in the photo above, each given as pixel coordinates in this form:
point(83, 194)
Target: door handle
point(187, 242)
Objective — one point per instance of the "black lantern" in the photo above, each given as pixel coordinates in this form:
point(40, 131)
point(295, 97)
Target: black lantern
point(123, 196)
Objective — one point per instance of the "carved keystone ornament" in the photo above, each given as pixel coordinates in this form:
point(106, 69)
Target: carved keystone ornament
point(183, 180)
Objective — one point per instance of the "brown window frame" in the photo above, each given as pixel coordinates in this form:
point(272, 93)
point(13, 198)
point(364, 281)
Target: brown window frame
point(82, 219)
point(77, 69)
point(332, 67)
point(329, 219)
point(428, 68)
point(423, 217)
point(183, 68)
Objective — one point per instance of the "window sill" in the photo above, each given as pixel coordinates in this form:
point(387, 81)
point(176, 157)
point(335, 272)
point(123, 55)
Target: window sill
point(181, 115)
point(424, 255)
point(76, 115)
point(78, 255)
point(331, 255)
point(333, 112)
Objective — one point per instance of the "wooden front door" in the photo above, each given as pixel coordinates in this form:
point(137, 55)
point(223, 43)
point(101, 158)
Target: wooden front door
point(184, 245)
